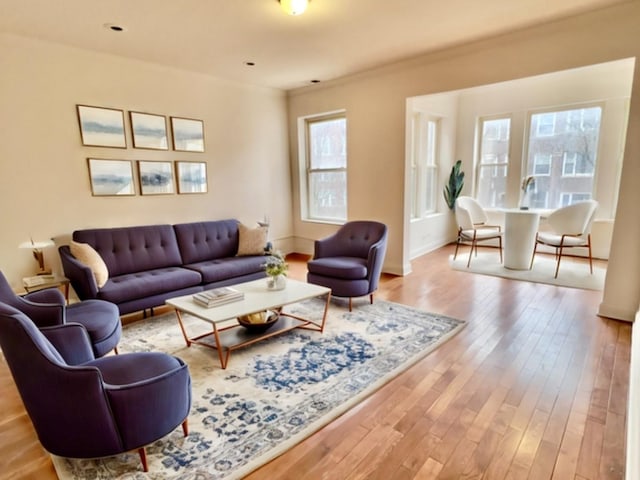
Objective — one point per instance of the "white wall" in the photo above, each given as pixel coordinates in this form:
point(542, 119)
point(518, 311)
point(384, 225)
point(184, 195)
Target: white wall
point(375, 102)
point(44, 182)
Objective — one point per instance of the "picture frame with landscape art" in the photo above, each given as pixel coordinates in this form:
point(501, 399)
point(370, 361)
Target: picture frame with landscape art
point(192, 177)
point(187, 134)
point(149, 131)
point(110, 177)
point(101, 127)
point(156, 178)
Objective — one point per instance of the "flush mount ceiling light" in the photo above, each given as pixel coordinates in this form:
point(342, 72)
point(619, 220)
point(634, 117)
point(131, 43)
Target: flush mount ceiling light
point(294, 7)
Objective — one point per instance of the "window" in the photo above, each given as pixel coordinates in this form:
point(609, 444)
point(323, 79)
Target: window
point(570, 198)
point(424, 166)
point(545, 124)
point(575, 164)
point(541, 164)
point(326, 168)
point(493, 162)
point(564, 159)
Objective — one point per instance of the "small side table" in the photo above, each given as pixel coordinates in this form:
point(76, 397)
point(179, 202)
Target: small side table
point(40, 282)
point(520, 227)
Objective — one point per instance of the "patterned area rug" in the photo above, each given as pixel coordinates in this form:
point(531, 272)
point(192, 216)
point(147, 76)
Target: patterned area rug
point(273, 394)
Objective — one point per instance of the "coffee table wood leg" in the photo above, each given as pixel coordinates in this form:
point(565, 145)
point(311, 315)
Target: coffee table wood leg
point(223, 359)
point(184, 332)
point(326, 310)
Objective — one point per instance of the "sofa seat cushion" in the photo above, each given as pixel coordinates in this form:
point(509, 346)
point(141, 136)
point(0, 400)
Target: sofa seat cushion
point(144, 284)
point(349, 268)
point(226, 268)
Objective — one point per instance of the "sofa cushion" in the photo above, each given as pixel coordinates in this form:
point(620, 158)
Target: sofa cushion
point(133, 249)
point(201, 241)
point(84, 253)
point(132, 286)
point(342, 267)
point(251, 241)
point(226, 268)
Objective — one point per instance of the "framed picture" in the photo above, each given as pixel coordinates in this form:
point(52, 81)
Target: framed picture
point(156, 178)
point(101, 127)
point(192, 177)
point(149, 131)
point(111, 177)
point(188, 134)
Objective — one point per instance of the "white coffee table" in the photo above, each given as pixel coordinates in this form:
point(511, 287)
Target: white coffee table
point(231, 336)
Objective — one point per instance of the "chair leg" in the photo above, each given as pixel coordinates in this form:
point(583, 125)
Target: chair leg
point(115, 350)
point(371, 299)
point(185, 427)
point(143, 459)
point(558, 264)
point(350, 303)
point(473, 244)
point(533, 255)
point(455, 254)
point(500, 245)
point(590, 257)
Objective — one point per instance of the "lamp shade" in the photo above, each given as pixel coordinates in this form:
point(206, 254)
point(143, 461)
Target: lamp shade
point(294, 7)
point(36, 245)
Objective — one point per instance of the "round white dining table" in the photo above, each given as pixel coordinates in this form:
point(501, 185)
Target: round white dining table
point(520, 228)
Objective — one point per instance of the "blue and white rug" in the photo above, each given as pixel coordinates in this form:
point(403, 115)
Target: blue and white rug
point(273, 394)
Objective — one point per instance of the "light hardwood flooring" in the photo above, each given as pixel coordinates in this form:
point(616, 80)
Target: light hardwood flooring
point(535, 387)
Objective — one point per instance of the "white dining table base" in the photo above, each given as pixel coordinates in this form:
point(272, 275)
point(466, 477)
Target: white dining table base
point(520, 228)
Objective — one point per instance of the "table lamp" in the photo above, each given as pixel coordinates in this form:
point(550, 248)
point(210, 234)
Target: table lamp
point(38, 254)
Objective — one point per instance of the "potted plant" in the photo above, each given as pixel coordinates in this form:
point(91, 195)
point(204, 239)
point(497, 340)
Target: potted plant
point(456, 181)
point(276, 269)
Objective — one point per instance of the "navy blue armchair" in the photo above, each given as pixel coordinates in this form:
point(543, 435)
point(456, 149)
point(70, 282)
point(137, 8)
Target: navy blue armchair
point(82, 407)
point(47, 308)
point(349, 262)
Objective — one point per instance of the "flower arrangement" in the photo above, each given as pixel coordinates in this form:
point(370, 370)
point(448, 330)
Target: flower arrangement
point(276, 265)
point(528, 183)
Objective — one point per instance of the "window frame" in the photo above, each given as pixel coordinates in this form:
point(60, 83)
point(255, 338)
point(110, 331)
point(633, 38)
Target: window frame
point(307, 172)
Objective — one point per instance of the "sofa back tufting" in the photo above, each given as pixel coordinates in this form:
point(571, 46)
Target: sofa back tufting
point(202, 241)
point(133, 249)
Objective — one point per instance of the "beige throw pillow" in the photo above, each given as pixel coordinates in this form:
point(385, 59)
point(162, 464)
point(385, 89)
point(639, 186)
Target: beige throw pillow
point(85, 253)
point(251, 240)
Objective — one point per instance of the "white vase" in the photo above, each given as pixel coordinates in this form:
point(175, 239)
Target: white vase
point(277, 282)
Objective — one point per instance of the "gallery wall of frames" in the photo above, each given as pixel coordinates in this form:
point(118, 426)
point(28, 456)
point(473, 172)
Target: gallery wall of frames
point(105, 127)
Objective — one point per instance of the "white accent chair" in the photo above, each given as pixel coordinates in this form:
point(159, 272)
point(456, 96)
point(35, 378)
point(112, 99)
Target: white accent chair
point(472, 226)
point(571, 227)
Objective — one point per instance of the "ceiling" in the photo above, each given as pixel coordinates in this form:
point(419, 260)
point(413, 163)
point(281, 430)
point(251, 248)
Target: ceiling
point(332, 39)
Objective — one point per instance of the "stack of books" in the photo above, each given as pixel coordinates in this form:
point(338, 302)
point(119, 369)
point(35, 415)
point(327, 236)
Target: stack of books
point(217, 296)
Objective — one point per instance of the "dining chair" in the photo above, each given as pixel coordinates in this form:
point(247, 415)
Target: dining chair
point(473, 227)
point(570, 228)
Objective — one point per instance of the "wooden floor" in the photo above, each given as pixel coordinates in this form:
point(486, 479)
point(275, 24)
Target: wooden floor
point(534, 387)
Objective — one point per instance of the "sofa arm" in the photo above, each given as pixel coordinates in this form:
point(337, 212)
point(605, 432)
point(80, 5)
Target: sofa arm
point(375, 261)
point(80, 276)
point(327, 247)
point(43, 314)
point(72, 342)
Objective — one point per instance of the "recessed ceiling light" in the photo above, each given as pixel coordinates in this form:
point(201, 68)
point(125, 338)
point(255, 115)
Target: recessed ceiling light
point(314, 81)
point(249, 64)
point(114, 27)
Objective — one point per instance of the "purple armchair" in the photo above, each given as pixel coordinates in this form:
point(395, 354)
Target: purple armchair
point(83, 407)
point(47, 308)
point(350, 261)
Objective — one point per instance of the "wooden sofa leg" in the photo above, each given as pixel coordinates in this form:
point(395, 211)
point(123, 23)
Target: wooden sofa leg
point(371, 298)
point(350, 305)
point(185, 427)
point(143, 459)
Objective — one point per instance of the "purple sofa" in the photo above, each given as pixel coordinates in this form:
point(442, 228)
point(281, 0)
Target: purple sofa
point(149, 264)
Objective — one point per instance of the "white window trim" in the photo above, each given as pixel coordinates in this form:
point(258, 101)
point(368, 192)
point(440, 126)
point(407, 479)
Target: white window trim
point(305, 170)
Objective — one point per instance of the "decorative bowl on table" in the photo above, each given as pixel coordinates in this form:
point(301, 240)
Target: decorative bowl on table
point(259, 321)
